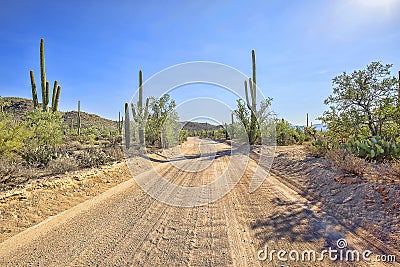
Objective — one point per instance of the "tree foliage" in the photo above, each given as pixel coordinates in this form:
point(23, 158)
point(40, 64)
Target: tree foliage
point(262, 114)
point(363, 103)
point(162, 127)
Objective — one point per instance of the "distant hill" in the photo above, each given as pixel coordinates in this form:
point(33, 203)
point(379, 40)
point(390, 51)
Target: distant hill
point(19, 107)
point(198, 126)
point(318, 127)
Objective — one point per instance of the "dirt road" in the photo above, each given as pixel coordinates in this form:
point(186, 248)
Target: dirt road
point(126, 227)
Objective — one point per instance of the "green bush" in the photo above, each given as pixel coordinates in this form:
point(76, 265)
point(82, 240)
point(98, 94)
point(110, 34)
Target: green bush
point(12, 137)
point(320, 147)
point(183, 135)
point(46, 136)
point(287, 135)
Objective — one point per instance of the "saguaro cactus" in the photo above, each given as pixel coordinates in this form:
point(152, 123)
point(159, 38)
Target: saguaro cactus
point(119, 123)
point(139, 113)
point(232, 127)
point(252, 131)
point(127, 127)
point(45, 86)
point(307, 120)
point(79, 118)
point(34, 91)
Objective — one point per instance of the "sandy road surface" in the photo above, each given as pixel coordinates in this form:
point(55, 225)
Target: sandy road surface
point(126, 227)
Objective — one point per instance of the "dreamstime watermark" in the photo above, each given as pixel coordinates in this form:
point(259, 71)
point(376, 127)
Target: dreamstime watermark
point(228, 84)
point(339, 254)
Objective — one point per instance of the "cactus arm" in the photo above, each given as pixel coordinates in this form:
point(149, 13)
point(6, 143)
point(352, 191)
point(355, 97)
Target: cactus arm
point(253, 59)
point(53, 99)
point(134, 114)
point(146, 111)
point(252, 94)
point(34, 91)
point(57, 98)
point(46, 97)
point(140, 101)
point(247, 94)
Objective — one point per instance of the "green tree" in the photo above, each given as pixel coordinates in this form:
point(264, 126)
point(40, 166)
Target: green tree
point(162, 122)
point(363, 103)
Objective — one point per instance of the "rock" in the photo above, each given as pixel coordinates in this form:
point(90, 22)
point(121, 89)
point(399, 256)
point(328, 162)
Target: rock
point(348, 199)
point(369, 201)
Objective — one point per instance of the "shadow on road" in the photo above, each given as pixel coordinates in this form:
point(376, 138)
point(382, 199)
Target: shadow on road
point(294, 222)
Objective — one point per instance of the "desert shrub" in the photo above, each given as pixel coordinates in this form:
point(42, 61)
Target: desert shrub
point(343, 160)
point(12, 137)
point(89, 135)
point(318, 148)
point(183, 135)
point(374, 148)
point(7, 169)
point(389, 169)
point(321, 146)
point(94, 157)
point(62, 165)
point(286, 134)
point(46, 136)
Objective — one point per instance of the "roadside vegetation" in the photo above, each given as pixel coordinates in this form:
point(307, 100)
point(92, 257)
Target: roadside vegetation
point(362, 120)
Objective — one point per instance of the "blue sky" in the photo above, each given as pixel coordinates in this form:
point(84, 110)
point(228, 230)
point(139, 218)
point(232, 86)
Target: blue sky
point(96, 48)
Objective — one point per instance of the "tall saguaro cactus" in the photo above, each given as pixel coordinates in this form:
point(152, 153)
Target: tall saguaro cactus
point(307, 120)
point(119, 123)
point(232, 127)
point(127, 127)
point(252, 103)
point(45, 86)
point(139, 113)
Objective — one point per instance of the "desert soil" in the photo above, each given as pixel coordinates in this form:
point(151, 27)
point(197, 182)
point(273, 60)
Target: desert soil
point(124, 226)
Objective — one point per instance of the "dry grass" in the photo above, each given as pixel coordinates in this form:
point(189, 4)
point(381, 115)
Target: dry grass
point(344, 161)
point(95, 157)
point(63, 165)
point(389, 170)
point(17, 172)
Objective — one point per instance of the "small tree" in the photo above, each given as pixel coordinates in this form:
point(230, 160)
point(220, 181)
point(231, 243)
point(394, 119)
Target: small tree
point(363, 103)
point(162, 122)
